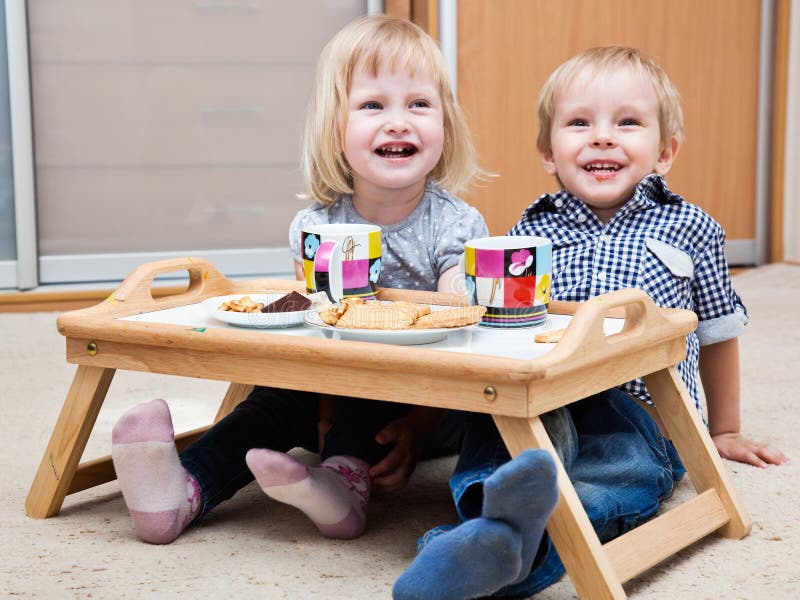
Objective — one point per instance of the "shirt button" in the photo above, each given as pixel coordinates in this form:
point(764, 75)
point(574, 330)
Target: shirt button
point(601, 275)
point(559, 203)
point(581, 218)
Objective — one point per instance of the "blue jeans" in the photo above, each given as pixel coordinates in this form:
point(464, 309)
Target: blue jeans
point(285, 419)
point(621, 466)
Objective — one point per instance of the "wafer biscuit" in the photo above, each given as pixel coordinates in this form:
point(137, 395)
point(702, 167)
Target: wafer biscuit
point(378, 315)
point(458, 316)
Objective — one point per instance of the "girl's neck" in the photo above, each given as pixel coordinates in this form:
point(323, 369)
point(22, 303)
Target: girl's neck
point(386, 207)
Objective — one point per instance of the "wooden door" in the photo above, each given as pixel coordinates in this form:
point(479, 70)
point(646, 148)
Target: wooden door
point(710, 49)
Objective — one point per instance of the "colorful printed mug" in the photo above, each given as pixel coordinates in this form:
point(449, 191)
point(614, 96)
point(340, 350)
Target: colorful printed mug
point(510, 276)
point(343, 260)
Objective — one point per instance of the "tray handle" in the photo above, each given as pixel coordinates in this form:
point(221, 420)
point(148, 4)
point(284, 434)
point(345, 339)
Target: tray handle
point(644, 321)
point(136, 291)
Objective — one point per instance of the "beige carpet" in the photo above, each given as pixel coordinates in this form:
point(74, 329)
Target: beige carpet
point(252, 547)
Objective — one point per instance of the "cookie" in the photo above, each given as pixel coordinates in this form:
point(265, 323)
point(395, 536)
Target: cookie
point(549, 337)
point(458, 316)
point(244, 304)
point(331, 313)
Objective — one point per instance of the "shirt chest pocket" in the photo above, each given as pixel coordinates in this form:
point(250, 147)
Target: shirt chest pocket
point(666, 274)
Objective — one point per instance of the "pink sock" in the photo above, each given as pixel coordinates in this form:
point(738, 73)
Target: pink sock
point(160, 494)
point(334, 495)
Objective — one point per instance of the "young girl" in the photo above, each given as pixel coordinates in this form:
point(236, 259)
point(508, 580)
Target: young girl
point(384, 140)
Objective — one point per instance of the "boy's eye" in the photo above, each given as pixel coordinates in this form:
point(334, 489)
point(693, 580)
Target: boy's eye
point(371, 105)
point(577, 123)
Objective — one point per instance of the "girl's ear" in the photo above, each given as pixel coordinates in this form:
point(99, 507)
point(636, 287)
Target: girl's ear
point(547, 161)
point(667, 156)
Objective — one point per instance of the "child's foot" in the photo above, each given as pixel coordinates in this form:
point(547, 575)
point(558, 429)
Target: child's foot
point(475, 559)
point(161, 496)
point(523, 493)
point(334, 495)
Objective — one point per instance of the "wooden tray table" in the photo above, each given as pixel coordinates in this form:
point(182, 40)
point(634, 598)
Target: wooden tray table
point(515, 386)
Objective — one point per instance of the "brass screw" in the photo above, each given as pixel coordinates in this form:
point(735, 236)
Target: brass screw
point(489, 393)
point(91, 348)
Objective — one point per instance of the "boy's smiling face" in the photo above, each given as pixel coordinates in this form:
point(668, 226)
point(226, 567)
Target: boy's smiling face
point(606, 138)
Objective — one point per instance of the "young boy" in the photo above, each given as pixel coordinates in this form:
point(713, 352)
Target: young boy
point(610, 128)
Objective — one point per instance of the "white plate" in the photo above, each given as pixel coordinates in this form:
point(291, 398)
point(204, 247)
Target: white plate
point(400, 337)
point(257, 320)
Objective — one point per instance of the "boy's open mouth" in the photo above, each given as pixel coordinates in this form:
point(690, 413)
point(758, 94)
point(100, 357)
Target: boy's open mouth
point(602, 168)
point(397, 150)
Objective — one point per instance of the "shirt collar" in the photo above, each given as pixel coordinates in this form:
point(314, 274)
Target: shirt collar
point(649, 192)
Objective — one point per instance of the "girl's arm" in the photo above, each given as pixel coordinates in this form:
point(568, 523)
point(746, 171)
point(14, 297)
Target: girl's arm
point(452, 281)
point(719, 372)
point(408, 435)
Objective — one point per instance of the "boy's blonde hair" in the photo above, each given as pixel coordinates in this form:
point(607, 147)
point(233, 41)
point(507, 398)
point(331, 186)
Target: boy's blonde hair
point(603, 59)
point(371, 42)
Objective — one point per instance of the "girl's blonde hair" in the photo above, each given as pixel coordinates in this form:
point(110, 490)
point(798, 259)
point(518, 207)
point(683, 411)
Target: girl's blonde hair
point(604, 59)
point(371, 42)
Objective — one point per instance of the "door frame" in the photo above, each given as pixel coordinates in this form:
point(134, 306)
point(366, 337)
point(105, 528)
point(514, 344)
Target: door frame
point(24, 272)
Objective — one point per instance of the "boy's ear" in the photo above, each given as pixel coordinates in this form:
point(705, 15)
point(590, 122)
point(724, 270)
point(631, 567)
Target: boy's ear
point(667, 156)
point(547, 161)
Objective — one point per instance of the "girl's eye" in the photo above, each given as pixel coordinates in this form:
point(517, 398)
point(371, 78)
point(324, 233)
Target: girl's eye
point(577, 123)
point(629, 122)
point(371, 106)
point(420, 104)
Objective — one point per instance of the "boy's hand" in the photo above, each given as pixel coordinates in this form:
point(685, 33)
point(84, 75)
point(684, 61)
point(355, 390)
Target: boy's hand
point(734, 446)
point(393, 472)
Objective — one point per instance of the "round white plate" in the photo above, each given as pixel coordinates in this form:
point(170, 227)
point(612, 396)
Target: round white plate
point(257, 320)
point(400, 337)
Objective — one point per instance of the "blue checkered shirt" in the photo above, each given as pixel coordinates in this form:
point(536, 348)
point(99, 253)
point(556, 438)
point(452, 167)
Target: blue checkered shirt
point(657, 242)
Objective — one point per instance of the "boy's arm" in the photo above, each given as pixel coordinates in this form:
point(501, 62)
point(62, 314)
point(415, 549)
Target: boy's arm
point(719, 372)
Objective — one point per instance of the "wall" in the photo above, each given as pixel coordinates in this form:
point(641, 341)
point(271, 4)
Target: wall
point(710, 49)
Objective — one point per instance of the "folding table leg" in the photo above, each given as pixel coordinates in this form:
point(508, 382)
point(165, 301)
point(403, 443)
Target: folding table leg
point(573, 535)
point(695, 447)
point(68, 441)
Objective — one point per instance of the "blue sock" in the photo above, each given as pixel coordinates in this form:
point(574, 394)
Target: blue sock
point(522, 493)
point(476, 558)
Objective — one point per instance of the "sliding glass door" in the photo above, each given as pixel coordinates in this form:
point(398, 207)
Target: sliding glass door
point(170, 129)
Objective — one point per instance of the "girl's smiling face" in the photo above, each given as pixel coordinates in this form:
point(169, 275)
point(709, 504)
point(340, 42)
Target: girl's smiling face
point(395, 130)
point(606, 138)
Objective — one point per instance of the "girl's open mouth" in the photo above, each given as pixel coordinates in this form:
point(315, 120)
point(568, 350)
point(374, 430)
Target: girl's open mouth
point(396, 150)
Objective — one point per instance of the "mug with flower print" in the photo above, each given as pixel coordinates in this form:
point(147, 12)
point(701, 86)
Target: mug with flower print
point(510, 276)
point(342, 259)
